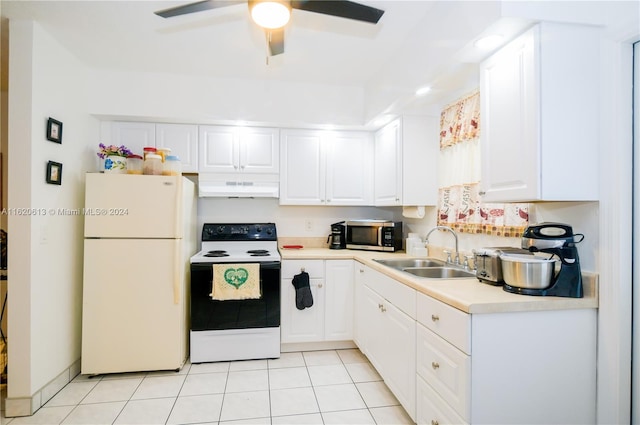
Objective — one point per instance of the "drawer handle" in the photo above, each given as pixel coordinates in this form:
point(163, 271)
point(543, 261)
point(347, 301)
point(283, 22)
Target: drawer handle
point(382, 308)
point(361, 270)
point(435, 365)
point(435, 317)
point(434, 422)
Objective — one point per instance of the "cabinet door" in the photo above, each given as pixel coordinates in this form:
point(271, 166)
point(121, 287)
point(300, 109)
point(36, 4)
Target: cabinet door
point(349, 168)
point(390, 345)
point(134, 135)
point(388, 166)
point(338, 298)
point(373, 333)
point(302, 325)
point(182, 139)
point(359, 321)
point(302, 177)
point(218, 149)
point(398, 331)
point(259, 151)
point(510, 154)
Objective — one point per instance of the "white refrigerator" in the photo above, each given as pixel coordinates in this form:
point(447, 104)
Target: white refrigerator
point(140, 232)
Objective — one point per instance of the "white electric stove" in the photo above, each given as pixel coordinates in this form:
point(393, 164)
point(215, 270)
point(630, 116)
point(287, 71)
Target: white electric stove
point(235, 329)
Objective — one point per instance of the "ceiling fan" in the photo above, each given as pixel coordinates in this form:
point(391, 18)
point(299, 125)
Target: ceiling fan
point(273, 15)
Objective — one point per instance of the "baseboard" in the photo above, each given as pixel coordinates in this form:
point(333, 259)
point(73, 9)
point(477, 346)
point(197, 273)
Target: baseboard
point(313, 346)
point(27, 406)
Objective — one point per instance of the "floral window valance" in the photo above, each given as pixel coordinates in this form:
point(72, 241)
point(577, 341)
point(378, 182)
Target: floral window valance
point(460, 121)
point(459, 203)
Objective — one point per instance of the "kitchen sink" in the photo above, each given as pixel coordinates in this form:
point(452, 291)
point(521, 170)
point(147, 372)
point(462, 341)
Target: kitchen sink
point(429, 268)
point(411, 262)
point(439, 272)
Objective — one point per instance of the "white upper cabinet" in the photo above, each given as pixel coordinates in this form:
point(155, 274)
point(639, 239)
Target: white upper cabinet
point(539, 121)
point(388, 165)
point(227, 149)
point(326, 168)
point(406, 158)
point(134, 135)
point(182, 139)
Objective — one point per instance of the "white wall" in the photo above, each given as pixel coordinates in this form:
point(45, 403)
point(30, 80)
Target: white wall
point(45, 261)
point(290, 220)
point(204, 100)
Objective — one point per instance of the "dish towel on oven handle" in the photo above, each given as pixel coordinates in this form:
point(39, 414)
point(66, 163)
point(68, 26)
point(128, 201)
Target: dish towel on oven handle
point(236, 281)
point(304, 298)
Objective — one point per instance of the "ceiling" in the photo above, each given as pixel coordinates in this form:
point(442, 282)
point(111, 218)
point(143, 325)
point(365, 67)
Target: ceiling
point(415, 42)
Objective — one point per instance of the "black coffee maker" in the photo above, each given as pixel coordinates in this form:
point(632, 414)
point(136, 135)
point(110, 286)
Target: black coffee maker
point(336, 239)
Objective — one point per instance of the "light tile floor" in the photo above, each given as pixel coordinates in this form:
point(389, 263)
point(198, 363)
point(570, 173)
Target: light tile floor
point(312, 387)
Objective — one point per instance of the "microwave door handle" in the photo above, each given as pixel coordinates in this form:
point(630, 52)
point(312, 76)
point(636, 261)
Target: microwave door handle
point(380, 235)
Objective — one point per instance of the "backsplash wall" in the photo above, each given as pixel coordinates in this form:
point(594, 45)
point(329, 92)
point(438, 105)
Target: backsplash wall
point(314, 221)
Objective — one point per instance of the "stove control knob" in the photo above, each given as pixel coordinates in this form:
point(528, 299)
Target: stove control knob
point(258, 229)
point(269, 231)
point(220, 229)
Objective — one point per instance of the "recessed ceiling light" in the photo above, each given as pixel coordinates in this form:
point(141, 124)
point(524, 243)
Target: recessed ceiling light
point(423, 90)
point(488, 42)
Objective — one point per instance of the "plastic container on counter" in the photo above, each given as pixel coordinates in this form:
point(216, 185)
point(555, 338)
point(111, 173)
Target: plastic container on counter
point(152, 164)
point(172, 166)
point(163, 152)
point(134, 164)
point(147, 150)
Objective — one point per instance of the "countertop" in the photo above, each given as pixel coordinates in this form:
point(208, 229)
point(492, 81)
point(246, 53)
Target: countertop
point(468, 295)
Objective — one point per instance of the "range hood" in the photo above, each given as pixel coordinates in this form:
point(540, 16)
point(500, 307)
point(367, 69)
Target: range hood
point(231, 185)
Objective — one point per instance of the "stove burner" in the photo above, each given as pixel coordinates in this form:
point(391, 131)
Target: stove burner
point(218, 253)
point(258, 252)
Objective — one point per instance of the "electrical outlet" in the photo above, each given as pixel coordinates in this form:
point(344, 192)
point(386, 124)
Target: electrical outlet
point(308, 225)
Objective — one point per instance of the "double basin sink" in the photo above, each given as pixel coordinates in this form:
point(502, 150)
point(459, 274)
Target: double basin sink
point(429, 268)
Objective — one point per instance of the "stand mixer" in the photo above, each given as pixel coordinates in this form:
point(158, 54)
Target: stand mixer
point(559, 240)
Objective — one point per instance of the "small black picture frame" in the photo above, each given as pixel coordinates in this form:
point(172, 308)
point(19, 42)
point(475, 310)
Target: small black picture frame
point(54, 130)
point(54, 173)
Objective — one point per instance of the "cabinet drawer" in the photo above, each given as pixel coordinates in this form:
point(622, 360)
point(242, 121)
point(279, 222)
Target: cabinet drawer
point(450, 323)
point(398, 294)
point(445, 368)
point(432, 410)
point(290, 268)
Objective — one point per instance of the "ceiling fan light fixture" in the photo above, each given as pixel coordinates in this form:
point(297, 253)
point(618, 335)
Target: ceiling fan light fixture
point(270, 14)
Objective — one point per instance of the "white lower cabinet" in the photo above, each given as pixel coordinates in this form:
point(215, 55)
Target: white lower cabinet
point(505, 368)
point(446, 369)
point(387, 334)
point(432, 409)
point(331, 316)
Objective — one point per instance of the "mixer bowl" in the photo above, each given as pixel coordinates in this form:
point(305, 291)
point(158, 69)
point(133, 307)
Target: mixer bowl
point(526, 271)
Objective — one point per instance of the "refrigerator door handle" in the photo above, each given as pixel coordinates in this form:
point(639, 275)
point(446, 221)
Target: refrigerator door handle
point(176, 272)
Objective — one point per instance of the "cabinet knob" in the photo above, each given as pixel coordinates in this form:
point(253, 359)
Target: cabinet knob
point(361, 270)
point(482, 193)
point(319, 285)
point(435, 365)
point(435, 317)
point(434, 422)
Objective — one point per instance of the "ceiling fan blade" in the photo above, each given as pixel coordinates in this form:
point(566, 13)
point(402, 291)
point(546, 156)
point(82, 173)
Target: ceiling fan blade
point(197, 7)
point(341, 8)
point(275, 41)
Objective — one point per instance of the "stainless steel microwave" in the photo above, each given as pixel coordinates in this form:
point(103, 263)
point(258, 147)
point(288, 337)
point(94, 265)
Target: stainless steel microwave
point(374, 235)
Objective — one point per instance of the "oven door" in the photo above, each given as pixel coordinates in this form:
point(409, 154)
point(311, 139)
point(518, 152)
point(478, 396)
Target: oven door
point(208, 314)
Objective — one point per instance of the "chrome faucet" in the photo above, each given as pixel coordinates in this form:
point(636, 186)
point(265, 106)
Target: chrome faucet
point(456, 258)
